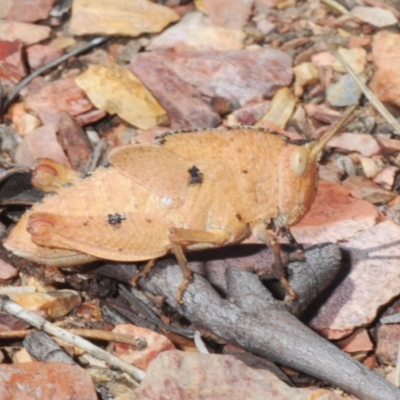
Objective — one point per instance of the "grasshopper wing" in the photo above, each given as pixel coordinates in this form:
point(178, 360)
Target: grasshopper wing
point(119, 237)
point(158, 169)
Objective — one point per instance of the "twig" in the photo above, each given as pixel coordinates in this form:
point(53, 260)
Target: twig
point(198, 341)
point(40, 323)
point(138, 342)
point(368, 94)
point(97, 153)
point(7, 290)
point(336, 6)
point(81, 49)
point(61, 8)
point(20, 334)
point(252, 319)
point(150, 315)
point(397, 376)
point(94, 334)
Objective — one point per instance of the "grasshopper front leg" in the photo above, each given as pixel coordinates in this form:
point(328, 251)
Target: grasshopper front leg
point(260, 231)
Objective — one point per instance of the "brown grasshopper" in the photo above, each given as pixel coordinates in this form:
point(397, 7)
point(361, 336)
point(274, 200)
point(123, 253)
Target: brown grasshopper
point(186, 191)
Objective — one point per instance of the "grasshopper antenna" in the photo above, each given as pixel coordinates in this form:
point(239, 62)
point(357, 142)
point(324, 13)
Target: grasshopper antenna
point(346, 118)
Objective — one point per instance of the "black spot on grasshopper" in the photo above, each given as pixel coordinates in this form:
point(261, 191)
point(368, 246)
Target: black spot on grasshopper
point(68, 184)
point(115, 219)
point(196, 175)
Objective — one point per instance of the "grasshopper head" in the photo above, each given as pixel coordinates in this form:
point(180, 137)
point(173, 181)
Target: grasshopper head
point(297, 177)
point(298, 174)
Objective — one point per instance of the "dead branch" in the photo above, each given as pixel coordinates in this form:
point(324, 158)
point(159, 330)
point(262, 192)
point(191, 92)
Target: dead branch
point(251, 318)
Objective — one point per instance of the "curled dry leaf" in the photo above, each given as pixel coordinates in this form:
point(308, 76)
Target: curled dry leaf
point(116, 90)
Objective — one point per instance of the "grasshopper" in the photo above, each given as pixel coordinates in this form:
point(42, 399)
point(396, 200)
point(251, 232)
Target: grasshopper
point(187, 190)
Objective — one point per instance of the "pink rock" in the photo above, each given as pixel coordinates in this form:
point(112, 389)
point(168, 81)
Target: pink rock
point(386, 55)
point(388, 339)
point(74, 141)
point(183, 102)
point(39, 54)
point(265, 26)
point(12, 68)
point(97, 56)
point(242, 75)
point(251, 113)
point(369, 282)
point(10, 323)
point(358, 341)
point(148, 135)
point(371, 362)
point(388, 145)
point(323, 59)
point(5, 8)
point(232, 14)
point(35, 85)
point(23, 122)
point(45, 381)
point(330, 172)
point(140, 358)
point(322, 113)
point(119, 17)
point(27, 33)
point(375, 16)
point(356, 41)
point(194, 32)
point(48, 115)
point(30, 10)
point(193, 376)
point(364, 144)
point(118, 132)
point(386, 177)
point(61, 96)
point(363, 188)
point(90, 117)
point(334, 216)
point(183, 9)
point(267, 3)
point(41, 142)
point(7, 271)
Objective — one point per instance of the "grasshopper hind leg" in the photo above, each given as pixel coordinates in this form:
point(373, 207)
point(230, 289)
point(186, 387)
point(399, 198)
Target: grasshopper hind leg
point(186, 272)
point(144, 272)
point(298, 254)
point(293, 242)
point(181, 238)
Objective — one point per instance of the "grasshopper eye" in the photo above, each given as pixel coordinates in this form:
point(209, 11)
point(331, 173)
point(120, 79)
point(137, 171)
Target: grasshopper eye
point(299, 160)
